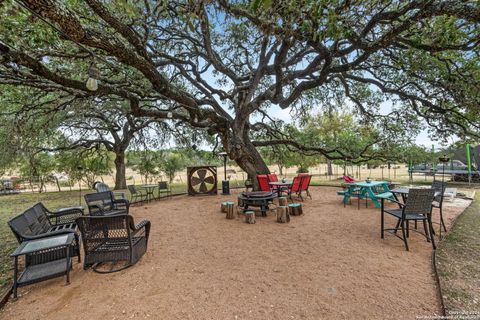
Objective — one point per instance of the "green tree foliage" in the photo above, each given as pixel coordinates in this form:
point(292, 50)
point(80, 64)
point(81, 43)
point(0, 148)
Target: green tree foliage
point(341, 131)
point(171, 163)
point(222, 65)
point(38, 168)
point(279, 155)
point(85, 165)
point(146, 163)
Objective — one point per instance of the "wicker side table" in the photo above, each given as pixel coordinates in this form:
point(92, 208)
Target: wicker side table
point(38, 272)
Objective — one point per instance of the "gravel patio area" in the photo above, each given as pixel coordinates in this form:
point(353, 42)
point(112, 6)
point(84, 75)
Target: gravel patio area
point(329, 263)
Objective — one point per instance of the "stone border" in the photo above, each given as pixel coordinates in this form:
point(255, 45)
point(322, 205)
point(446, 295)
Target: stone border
point(434, 258)
point(6, 296)
point(437, 280)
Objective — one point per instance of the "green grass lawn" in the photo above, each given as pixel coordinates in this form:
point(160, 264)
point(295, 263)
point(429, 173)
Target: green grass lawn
point(11, 205)
point(458, 262)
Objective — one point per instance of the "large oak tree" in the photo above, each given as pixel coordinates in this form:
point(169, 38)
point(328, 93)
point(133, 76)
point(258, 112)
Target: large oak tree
point(93, 124)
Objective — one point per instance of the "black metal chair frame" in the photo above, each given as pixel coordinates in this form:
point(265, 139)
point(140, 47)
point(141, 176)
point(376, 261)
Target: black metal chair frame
point(417, 208)
point(439, 188)
point(112, 240)
point(135, 194)
point(38, 222)
point(104, 204)
point(163, 188)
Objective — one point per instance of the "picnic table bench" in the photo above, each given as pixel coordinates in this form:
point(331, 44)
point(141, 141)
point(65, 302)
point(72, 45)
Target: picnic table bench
point(374, 190)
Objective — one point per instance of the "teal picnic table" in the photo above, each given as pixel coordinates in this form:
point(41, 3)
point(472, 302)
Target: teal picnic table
point(374, 190)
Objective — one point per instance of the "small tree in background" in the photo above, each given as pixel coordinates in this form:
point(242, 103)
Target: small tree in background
point(146, 163)
point(38, 168)
point(279, 155)
point(85, 165)
point(171, 163)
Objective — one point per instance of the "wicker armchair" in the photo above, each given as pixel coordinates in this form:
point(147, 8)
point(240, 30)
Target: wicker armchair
point(104, 204)
point(112, 240)
point(417, 208)
point(38, 222)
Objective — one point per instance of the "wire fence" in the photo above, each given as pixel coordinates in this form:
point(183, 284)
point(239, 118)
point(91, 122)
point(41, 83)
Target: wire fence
point(322, 174)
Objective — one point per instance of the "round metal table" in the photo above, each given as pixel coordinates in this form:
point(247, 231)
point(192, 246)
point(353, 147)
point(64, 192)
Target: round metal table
point(149, 188)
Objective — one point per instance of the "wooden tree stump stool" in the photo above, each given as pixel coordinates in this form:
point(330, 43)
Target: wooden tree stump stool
point(225, 205)
point(230, 211)
point(250, 217)
point(282, 201)
point(282, 214)
point(295, 209)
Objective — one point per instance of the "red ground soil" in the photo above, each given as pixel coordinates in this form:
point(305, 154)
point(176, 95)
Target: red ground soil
point(329, 263)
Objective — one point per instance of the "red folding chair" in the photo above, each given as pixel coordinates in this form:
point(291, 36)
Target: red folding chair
point(348, 179)
point(296, 187)
point(263, 182)
point(272, 177)
point(305, 185)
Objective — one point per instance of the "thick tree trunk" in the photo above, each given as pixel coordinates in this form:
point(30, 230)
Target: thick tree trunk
point(41, 185)
point(120, 178)
point(329, 167)
point(58, 184)
point(240, 148)
point(250, 160)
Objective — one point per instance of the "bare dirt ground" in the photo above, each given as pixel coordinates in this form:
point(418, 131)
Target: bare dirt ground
point(329, 263)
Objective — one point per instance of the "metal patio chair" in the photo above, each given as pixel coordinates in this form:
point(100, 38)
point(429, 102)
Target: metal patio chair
point(417, 208)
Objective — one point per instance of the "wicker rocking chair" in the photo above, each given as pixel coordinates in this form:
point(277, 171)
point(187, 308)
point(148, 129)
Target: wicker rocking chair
point(112, 243)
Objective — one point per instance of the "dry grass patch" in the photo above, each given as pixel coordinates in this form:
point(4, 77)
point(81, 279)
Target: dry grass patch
point(458, 264)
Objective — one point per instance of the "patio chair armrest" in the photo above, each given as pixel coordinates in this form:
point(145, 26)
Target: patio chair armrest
point(95, 209)
point(65, 216)
point(142, 225)
point(121, 195)
point(77, 212)
point(395, 201)
point(68, 210)
point(124, 202)
point(63, 231)
point(48, 234)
